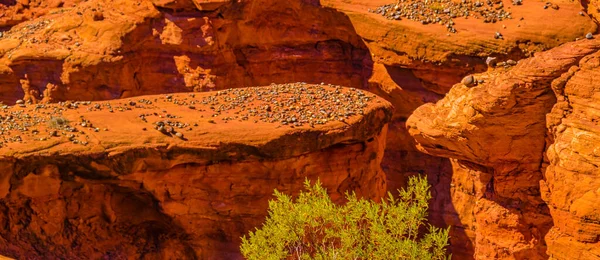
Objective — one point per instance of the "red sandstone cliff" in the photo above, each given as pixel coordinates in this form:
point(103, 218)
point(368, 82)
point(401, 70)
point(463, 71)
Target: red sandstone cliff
point(96, 51)
point(414, 64)
point(571, 186)
point(108, 185)
point(101, 50)
point(516, 205)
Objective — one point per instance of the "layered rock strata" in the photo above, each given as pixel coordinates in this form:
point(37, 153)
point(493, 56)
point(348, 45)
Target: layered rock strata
point(178, 176)
point(496, 134)
point(572, 177)
point(414, 64)
point(96, 51)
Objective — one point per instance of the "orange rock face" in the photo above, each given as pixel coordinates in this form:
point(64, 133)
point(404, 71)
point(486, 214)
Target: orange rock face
point(52, 51)
point(415, 64)
point(572, 186)
point(96, 51)
point(128, 190)
point(496, 133)
point(13, 12)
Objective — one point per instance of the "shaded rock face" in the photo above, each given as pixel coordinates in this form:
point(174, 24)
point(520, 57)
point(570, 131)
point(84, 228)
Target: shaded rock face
point(140, 193)
point(202, 5)
point(94, 52)
point(415, 64)
point(97, 52)
point(496, 134)
point(176, 209)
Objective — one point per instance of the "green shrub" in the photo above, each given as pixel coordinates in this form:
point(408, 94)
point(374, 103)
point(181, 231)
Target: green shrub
point(313, 227)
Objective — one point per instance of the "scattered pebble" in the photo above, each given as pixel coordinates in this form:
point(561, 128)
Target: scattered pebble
point(444, 11)
point(285, 105)
point(468, 81)
point(491, 61)
point(498, 36)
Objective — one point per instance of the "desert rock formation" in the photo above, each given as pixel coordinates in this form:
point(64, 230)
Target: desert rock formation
point(177, 176)
point(496, 134)
point(415, 64)
point(60, 50)
point(95, 51)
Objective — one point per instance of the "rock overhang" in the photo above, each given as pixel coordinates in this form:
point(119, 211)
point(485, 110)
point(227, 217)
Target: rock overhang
point(279, 121)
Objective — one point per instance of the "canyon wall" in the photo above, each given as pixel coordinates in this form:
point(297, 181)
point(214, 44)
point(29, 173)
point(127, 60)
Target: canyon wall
point(95, 51)
point(109, 185)
point(519, 203)
point(53, 51)
point(414, 64)
point(571, 186)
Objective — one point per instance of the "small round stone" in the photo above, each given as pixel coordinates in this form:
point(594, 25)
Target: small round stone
point(468, 81)
point(491, 61)
point(589, 36)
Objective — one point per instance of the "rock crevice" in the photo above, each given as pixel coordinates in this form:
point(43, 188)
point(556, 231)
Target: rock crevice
point(503, 125)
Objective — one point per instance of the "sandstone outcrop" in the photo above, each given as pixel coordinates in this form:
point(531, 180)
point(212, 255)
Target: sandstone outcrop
point(414, 64)
point(496, 135)
point(180, 176)
point(572, 184)
point(96, 51)
point(13, 12)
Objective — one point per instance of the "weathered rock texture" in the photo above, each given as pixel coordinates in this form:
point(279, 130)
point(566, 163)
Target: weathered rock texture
point(13, 12)
point(572, 183)
point(100, 50)
point(103, 49)
point(135, 193)
point(414, 64)
point(496, 135)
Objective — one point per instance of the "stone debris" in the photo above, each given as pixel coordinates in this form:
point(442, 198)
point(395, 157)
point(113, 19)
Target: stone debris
point(444, 11)
point(289, 105)
point(491, 61)
point(293, 105)
point(498, 36)
point(469, 81)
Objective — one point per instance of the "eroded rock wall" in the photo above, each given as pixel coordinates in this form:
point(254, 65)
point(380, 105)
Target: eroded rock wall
point(168, 207)
point(94, 51)
point(496, 135)
point(414, 64)
point(131, 191)
point(572, 185)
